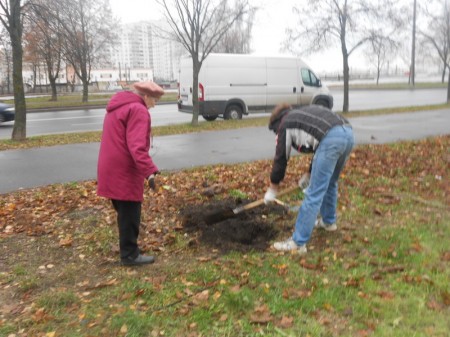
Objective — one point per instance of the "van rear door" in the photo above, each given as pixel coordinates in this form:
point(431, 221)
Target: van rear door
point(185, 85)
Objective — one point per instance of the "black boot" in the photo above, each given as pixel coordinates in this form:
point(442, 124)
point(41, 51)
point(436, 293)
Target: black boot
point(138, 261)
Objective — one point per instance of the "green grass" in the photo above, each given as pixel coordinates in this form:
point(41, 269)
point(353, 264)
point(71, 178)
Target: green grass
point(350, 293)
point(237, 194)
point(75, 100)
point(393, 86)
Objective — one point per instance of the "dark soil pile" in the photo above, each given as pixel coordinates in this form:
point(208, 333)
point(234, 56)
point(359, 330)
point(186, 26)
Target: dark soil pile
point(253, 229)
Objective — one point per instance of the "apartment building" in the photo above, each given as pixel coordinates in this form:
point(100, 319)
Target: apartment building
point(140, 47)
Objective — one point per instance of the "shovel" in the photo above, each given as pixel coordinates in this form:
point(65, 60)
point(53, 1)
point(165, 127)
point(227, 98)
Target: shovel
point(219, 216)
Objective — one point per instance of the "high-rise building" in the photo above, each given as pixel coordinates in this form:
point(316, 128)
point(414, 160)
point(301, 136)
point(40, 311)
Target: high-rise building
point(140, 47)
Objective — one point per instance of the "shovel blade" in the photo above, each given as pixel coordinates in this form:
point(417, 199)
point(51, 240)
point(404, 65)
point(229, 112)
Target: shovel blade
point(219, 216)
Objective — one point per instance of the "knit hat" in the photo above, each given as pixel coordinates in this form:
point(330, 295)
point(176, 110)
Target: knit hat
point(149, 88)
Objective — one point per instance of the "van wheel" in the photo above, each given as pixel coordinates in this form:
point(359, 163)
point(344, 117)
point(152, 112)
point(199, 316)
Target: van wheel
point(210, 118)
point(233, 112)
point(323, 103)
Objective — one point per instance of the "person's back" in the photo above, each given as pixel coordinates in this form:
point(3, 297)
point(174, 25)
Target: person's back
point(124, 162)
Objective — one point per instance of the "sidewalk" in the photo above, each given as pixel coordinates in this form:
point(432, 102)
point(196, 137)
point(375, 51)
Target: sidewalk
point(78, 162)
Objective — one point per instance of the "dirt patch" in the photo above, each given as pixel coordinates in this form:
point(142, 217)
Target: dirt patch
point(253, 229)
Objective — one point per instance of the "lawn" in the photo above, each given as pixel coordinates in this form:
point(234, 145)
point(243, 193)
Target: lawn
point(385, 272)
point(74, 100)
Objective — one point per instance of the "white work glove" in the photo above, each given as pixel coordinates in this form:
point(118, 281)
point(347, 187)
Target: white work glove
point(303, 183)
point(270, 196)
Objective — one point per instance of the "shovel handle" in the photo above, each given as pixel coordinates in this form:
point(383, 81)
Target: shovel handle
point(248, 206)
point(261, 201)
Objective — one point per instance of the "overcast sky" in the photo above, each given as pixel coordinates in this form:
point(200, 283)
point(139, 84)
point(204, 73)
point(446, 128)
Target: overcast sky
point(270, 24)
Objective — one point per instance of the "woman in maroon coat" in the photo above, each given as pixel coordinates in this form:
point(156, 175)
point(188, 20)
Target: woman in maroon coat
point(124, 163)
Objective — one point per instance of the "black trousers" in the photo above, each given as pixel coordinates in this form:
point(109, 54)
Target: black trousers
point(128, 219)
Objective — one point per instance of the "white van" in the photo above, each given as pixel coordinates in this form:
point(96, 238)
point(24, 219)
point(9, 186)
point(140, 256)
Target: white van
point(232, 85)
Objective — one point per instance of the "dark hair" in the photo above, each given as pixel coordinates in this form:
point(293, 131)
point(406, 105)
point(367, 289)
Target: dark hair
point(278, 110)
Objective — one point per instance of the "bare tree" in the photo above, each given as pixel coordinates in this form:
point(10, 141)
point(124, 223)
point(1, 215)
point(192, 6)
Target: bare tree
point(43, 42)
point(11, 17)
point(237, 39)
point(438, 36)
point(88, 30)
point(378, 52)
point(199, 25)
point(349, 23)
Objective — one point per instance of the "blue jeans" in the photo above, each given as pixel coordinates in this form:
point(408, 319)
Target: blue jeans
point(321, 195)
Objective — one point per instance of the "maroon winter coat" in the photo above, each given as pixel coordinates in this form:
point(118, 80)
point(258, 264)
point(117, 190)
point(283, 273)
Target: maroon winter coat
point(124, 161)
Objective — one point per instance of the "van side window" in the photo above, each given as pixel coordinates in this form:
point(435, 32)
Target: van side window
point(309, 78)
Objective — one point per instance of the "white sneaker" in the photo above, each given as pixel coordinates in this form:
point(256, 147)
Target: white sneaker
point(329, 228)
point(290, 246)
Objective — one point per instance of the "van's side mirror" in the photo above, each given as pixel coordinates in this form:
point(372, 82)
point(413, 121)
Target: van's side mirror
point(319, 83)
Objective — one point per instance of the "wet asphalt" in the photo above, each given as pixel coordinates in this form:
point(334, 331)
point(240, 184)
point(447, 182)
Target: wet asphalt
point(22, 169)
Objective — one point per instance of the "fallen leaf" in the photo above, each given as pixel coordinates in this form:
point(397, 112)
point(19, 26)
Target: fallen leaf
point(328, 307)
point(445, 298)
point(347, 238)
point(308, 265)
point(201, 297)
point(434, 305)
point(235, 289)
point(66, 242)
point(397, 321)
point(387, 295)
point(445, 256)
point(261, 315)
point(204, 259)
point(293, 294)
point(286, 322)
point(124, 329)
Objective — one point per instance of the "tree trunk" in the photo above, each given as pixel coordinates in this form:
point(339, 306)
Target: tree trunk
point(85, 83)
point(53, 87)
point(34, 78)
point(20, 122)
point(195, 102)
point(85, 91)
point(413, 48)
point(346, 81)
point(448, 87)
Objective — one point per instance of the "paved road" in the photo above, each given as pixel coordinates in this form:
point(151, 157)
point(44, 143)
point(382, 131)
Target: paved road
point(78, 162)
point(163, 114)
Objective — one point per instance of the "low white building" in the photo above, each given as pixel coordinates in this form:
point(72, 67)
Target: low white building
point(121, 75)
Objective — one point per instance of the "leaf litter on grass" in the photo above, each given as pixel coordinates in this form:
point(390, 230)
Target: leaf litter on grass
point(64, 235)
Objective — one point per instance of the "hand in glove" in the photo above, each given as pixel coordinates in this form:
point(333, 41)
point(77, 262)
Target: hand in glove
point(151, 181)
point(303, 183)
point(270, 195)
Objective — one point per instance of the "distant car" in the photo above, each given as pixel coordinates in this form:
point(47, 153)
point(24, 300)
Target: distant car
point(6, 113)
